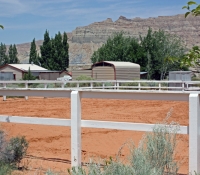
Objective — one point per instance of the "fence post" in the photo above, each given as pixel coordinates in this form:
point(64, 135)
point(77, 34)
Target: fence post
point(183, 86)
point(103, 85)
point(63, 85)
point(77, 85)
point(159, 85)
point(26, 86)
point(91, 85)
point(75, 129)
point(4, 97)
point(194, 133)
point(139, 86)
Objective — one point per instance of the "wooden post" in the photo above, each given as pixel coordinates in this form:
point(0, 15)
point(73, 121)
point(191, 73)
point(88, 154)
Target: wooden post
point(75, 129)
point(194, 134)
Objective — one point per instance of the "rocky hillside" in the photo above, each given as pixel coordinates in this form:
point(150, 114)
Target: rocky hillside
point(83, 41)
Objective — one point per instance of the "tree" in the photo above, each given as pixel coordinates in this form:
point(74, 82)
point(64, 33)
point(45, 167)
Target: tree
point(191, 59)
point(120, 48)
point(163, 48)
point(3, 55)
point(153, 52)
point(65, 53)
point(15, 53)
point(45, 50)
point(54, 52)
point(1, 27)
point(12, 52)
point(28, 75)
point(33, 53)
point(58, 62)
point(195, 11)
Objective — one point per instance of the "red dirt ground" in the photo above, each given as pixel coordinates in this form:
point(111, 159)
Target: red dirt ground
point(49, 146)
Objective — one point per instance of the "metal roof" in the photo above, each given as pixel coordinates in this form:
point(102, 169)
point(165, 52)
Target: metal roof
point(123, 64)
point(25, 67)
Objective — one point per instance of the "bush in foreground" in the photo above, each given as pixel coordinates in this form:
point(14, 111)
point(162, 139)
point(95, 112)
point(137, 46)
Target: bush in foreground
point(11, 152)
point(153, 156)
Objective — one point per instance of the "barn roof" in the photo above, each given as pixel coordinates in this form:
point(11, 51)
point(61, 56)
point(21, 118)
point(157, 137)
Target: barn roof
point(118, 64)
point(123, 64)
point(25, 67)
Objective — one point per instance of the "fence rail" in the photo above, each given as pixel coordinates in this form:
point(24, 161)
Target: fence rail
point(76, 123)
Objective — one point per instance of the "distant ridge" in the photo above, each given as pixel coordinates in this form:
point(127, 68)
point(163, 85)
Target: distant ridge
point(83, 41)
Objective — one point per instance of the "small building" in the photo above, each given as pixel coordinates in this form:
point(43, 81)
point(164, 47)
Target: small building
point(19, 70)
point(179, 76)
point(115, 70)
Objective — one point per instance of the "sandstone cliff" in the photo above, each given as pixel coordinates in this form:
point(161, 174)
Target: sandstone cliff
point(83, 41)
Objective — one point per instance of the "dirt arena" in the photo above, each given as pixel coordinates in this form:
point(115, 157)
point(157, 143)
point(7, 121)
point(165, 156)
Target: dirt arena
point(49, 146)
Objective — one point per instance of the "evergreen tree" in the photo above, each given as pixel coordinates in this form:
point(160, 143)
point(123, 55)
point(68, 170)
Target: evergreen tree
point(65, 52)
point(3, 55)
point(57, 56)
point(54, 52)
point(33, 53)
point(15, 53)
point(46, 50)
point(28, 75)
point(12, 52)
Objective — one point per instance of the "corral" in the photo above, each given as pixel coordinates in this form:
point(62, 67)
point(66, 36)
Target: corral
point(132, 112)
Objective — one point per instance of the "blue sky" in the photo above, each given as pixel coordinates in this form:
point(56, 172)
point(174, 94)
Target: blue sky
point(27, 19)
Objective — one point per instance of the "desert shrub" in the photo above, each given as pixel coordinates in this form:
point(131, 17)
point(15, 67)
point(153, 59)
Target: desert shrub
point(16, 150)
point(155, 153)
point(153, 156)
point(11, 151)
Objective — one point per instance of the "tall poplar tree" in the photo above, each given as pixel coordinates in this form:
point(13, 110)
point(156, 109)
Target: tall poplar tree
point(65, 51)
point(3, 55)
point(15, 53)
point(54, 52)
point(12, 53)
point(45, 50)
point(33, 53)
point(57, 53)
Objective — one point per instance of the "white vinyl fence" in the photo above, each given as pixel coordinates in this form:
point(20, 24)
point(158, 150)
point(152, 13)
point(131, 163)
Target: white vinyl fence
point(76, 123)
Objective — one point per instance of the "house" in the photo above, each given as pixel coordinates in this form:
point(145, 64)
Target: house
point(19, 70)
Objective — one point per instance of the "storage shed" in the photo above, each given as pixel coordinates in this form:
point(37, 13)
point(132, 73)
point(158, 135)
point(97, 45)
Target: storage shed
point(179, 76)
point(115, 70)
